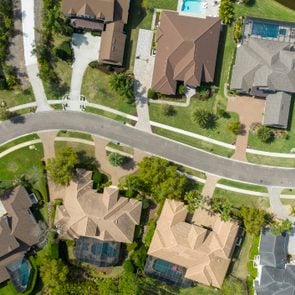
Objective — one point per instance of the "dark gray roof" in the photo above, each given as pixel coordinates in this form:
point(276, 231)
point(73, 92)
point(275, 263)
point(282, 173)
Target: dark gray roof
point(275, 281)
point(267, 63)
point(273, 249)
point(277, 108)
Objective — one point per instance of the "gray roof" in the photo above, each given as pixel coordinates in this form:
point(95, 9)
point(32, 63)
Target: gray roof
point(18, 228)
point(275, 281)
point(273, 249)
point(277, 108)
point(267, 63)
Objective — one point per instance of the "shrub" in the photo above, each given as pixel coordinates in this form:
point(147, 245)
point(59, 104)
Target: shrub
point(97, 179)
point(222, 113)
point(265, 134)
point(131, 247)
point(65, 51)
point(138, 257)
point(150, 232)
point(152, 94)
point(128, 266)
point(226, 11)
point(116, 159)
point(168, 110)
point(238, 30)
point(94, 64)
point(204, 118)
point(181, 90)
point(234, 127)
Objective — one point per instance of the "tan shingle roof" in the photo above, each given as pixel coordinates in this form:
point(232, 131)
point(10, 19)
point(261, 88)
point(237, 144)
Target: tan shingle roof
point(107, 216)
point(204, 253)
point(186, 51)
point(113, 43)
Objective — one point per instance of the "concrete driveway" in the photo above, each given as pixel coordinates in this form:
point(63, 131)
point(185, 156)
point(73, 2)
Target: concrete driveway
point(86, 49)
point(143, 73)
point(250, 111)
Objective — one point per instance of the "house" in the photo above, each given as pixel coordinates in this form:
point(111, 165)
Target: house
point(265, 60)
point(275, 274)
point(186, 51)
point(277, 109)
point(19, 231)
point(105, 16)
point(183, 252)
point(99, 221)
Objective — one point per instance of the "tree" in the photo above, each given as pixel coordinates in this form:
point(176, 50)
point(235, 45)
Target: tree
point(204, 118)
point(234, 127)
point(223, 207)
point(238, 30)
point(195, 200)
point(161, 179)
point(168, 110)
point(128, 266)
point(280, 227)
point(132, 185)
point(123, 84)
point(129, 284)
point(61, 168)
point(138, 257)
point(54, 275)
point(265, 134)
point(254, 219)
point(116, 159)
point(181, 90)
point(226, 11)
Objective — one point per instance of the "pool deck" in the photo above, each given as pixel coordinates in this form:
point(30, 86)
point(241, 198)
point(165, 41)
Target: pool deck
point(209, 8)
point(288, 37)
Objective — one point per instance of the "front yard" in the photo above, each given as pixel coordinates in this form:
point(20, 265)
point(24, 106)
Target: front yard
point(17, 96)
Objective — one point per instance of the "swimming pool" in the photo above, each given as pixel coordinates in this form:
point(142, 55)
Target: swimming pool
point(265, 30)
point(192, 6)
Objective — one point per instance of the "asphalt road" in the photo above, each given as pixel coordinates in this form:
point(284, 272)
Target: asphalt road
point(150, 143)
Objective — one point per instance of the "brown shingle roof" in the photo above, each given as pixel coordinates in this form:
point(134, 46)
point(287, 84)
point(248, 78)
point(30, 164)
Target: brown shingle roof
point(204, 253)
point(186, 51)
point(107, 216)
point(113, 44)
point(103, 9)
point(18, 228)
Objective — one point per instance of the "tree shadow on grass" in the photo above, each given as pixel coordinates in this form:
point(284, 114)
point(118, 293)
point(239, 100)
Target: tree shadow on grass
point(86, 161)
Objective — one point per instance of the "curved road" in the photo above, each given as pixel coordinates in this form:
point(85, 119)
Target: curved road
point(176, 152)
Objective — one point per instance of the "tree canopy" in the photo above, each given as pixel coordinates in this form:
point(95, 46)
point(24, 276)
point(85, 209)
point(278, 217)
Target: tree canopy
point(194, 200)
point(61, 168)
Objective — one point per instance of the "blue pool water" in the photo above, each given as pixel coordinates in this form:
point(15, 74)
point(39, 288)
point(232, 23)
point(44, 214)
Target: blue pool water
point(192, 6)
point(265, 30)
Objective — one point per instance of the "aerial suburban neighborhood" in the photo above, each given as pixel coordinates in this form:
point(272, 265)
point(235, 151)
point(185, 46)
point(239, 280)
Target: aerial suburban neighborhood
point(147, 147)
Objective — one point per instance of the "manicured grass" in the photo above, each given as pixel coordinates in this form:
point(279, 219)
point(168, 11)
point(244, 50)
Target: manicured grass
point(18, 141)
point(109, 115)
point(192, 172)
point(20, 162)
point(83, 150)
point(65, 133)
point(270, 161)
point(266, 9)
point(96, 89)
point(245, 186)
point(251, 269)
point(239, 200)
point(183, 120)
point(288, 191)
point(290, 202)
point(122, 148)
point(240, 269)
point(17, 96)
point(200, 290)
point(209, 147)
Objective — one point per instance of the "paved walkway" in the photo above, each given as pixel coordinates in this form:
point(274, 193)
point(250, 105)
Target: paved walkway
point(143, 72)
point(250, 111)
point(210, 184)
point(28, 26)
point(115, 173)
point(86, 49)
point(276, 205)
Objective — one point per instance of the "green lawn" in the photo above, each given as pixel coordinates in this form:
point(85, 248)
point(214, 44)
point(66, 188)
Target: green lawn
point(270, 161)
point(288, 191)
point(183, 120)
point(17, 96)
point(200, 290)
point(192, 172)
point(18, 141)
point(209, 147)
point(246, 186)
point(290, 202)
point(252, 271)
point(239, 200)
point(96, 89)
point(122, 148)
point(109, 115)
point(65, 133)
